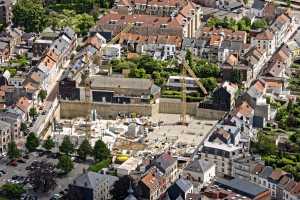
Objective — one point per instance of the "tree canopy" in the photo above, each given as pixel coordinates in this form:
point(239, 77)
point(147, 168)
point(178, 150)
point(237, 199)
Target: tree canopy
point(29, 14)
point(13, 152)
point(80, 23)
point(65, 163)
point(100, 151)
point(49, 143)
point(13, 191)
point(66, 146)
point(84, 149)
point(32, 142)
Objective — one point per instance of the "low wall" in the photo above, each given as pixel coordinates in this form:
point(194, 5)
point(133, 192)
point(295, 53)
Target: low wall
point(173, 106)
point(73, 109)
point(209, 114)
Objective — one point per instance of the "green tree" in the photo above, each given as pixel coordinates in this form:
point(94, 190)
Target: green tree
point(49, 144)
point(205, 69)
point(84, 149)
point(33, 112)
point(23, 127)
point(100, 151)
point(209, 83)
point(13, 152)
point(42, 95)
point(13, 191)
point(189, 57)
point(32, 142)
point(65, 163)
point(66, 146)
point(236, 76)
point(30, 14)
point(260, 24)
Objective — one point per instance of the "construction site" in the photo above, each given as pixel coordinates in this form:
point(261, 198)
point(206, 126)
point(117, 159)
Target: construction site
point(136, 135)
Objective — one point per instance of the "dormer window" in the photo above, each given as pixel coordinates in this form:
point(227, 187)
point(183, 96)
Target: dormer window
point(163, 25)
point(112, 21)
point(138, 23)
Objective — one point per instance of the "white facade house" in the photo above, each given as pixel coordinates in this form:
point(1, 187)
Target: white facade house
point(5, 133)
point(111, 51)
point(265, 41)
point(200, 172)
point(129, 166)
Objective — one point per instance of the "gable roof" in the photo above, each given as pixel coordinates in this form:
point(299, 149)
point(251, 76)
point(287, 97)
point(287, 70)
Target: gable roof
point(92, 179)
point(266, 35)
point(198, 165)
point(164, 161)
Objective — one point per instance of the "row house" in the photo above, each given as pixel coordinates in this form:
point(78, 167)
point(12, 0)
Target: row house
point(5, 12)
point(5, 135)
point(265, 41)
point(161, 173)
point(57, 56)
point(152, 185)
point(222, 147)
point(153, 7)
point(216, 44)
point(15, 121)
point(279, 32)
point(223, 98)
point(199, 172)
point(280, 183)
point(256, 58)
point(162, 46)
point(185, 24)
point(283, 28)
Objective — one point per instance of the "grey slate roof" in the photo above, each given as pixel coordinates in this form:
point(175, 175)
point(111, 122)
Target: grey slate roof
point(199, 166)
point(164, 161)
point(4, 125)
point(267, 171)
point(3, 45)
point(178, 190)
point(91, 180)
point(188, 43)
point(125, 83)
point(241, 186)
point(258, 4)
point(70, 33)
point(184, 185)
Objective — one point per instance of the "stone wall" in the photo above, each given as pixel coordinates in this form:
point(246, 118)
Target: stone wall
point(209, 114)
point(173, 106)
point(73, 109)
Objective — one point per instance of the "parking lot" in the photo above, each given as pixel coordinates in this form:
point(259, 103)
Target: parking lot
point(20, 170)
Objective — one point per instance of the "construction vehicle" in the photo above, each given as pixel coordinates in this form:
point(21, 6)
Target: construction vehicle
point(186, 69)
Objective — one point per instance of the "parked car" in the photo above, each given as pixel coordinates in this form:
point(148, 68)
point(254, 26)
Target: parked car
point(13, 163)
point(56, 197)
point(26, 156)
point(21, 161)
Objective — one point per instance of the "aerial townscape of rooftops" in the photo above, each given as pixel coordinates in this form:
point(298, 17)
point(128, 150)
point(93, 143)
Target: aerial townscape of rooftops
point(149, 100)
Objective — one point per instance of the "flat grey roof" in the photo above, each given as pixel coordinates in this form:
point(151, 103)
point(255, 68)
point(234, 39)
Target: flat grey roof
point(116, 82)
point(241, 186)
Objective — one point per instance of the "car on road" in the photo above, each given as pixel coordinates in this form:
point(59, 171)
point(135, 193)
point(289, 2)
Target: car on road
point(21, 161)
point(56, 197)
point(26, 156)
point(13, 163)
